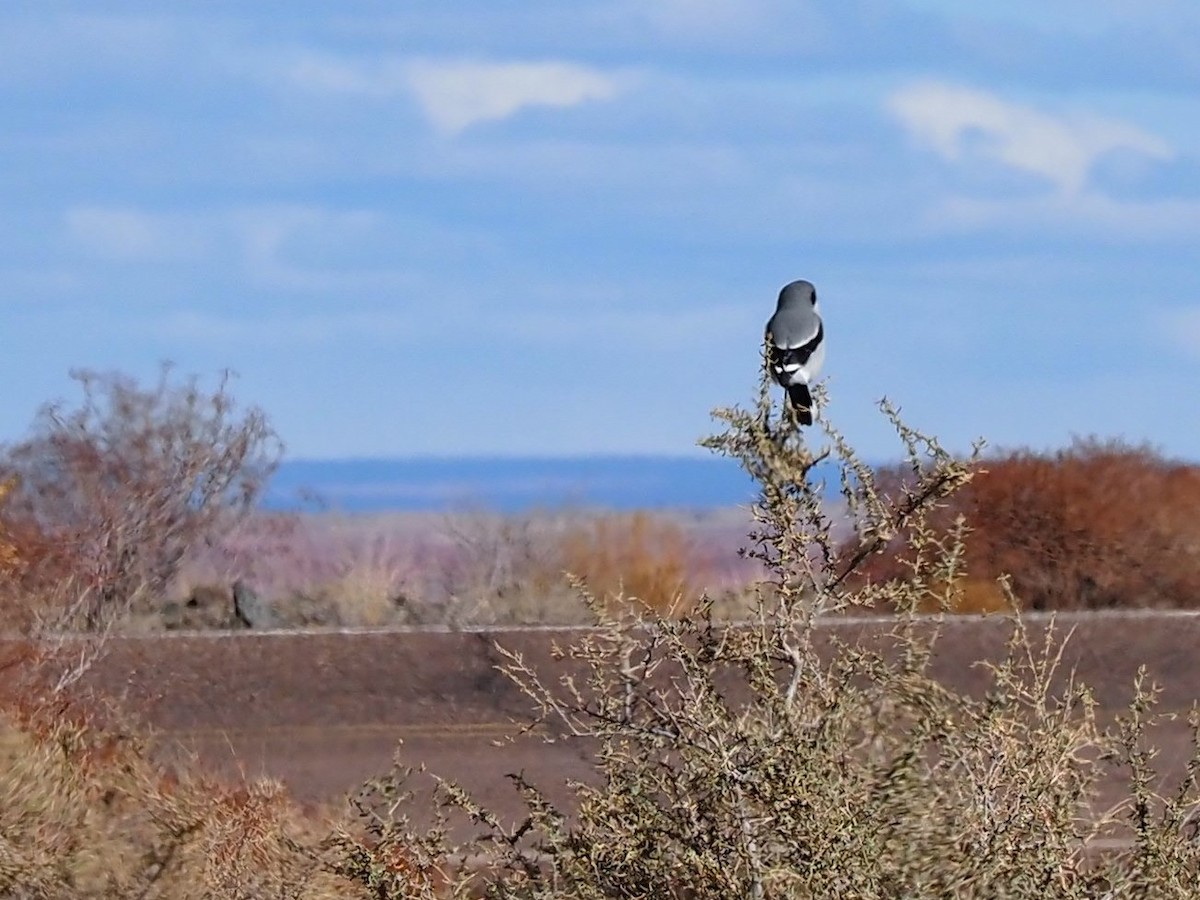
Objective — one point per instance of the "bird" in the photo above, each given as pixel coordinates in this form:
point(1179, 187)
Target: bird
point(796, 345)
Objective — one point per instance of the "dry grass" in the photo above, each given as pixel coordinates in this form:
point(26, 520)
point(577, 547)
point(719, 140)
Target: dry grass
point(1095, 526)
point(84, 812)
point(374, 584)
point(636, 555)
point(470, 568)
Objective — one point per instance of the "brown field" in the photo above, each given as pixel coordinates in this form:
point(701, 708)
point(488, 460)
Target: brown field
point(322, 711)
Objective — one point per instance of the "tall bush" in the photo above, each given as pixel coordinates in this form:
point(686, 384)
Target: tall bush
point(637, 555)
point(1098, 525)
point(112, 494)
point(770, 760)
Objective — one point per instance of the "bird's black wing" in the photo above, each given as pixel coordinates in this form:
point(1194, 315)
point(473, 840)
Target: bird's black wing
point(808, 348)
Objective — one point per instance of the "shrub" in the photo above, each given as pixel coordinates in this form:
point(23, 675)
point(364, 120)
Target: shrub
point(9, 557)
point(1096, 526)
point(1099, 525)
point(513, 569)
point(373, 584)
point(85, 813)
point(639, 555)
point(504, 569)
point(112, 495)
point(11, 605)
point(770, 760)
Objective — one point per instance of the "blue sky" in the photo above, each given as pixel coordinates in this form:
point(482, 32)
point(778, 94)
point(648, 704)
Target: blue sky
point(558, 228)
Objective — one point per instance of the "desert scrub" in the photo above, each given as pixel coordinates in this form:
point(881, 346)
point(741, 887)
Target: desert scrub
point(17, 611)
point(86, 813)
point(112, 495)
point(1097, 525)
point(637, 556)
point(9, 558)
point(768, 759)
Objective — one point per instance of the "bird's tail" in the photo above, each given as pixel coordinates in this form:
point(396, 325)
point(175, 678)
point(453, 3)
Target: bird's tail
point(801, 401)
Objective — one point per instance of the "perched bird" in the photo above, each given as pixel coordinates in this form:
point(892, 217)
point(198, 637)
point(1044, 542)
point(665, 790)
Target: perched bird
point(796, 345)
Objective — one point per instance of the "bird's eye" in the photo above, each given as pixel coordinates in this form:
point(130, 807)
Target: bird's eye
point(814, 300)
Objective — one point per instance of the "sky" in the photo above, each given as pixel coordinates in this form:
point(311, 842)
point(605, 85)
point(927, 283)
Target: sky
point(544, 228)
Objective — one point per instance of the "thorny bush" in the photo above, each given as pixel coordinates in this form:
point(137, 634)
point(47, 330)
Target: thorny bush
point(771, 760)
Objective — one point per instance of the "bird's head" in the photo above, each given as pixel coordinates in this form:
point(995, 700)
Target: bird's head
point(796, 293)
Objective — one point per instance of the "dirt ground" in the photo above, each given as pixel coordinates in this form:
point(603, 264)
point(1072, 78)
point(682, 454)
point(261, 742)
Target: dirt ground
point(324, 711)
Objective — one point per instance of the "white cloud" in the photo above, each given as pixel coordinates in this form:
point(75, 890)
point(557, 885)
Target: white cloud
point(130, 234)
point(122, 233)
point(44, 45)
point(456, 95)
point(958, 123)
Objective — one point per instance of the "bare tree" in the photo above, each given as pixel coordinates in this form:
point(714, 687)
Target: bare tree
point(119, 489)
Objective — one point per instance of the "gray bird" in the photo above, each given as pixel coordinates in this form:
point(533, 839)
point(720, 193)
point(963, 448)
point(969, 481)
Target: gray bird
point(796, 345)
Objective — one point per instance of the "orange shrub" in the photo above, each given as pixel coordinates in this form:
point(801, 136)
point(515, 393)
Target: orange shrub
point(9, 557)
point(1098, 525)
point(15, 610)
point(644, 556)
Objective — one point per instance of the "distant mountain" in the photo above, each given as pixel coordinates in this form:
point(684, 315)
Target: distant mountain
point(509, 484)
